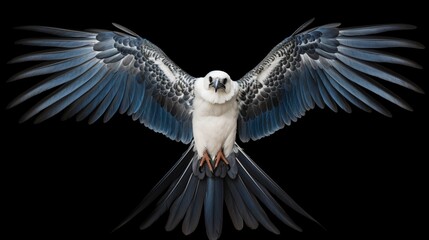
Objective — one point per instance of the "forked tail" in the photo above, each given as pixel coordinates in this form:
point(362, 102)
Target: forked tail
point(187, 189)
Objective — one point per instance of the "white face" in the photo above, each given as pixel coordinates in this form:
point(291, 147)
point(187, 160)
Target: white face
point(216, 87)
point(217, 81)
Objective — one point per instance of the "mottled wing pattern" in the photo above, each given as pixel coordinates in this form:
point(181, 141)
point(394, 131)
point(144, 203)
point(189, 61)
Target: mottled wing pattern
point(97, 73)
point(324, 66)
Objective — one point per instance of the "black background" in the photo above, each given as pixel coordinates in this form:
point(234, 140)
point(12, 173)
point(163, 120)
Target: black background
point(358, 174)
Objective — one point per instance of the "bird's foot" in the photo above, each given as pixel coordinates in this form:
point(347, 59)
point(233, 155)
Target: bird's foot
point(207, 160)
point(220, 156)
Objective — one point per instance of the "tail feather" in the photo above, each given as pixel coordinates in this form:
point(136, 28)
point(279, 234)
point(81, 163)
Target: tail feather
point(273, 187)
point(242, 208)
point(252, 203)
point(159, 188)
point(265, 197)
point(168, 198)
point(189, 188)
point(193, 214)
point(236, 218)
point(181, 205)
point(213, 207)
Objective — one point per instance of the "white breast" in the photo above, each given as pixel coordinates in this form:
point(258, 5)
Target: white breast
point(214, 126)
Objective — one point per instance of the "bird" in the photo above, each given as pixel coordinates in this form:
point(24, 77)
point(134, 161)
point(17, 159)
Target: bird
point(95, 74)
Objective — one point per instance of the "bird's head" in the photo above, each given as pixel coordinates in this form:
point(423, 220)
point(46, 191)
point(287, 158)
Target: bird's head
point(216, 87)
point(217, 81)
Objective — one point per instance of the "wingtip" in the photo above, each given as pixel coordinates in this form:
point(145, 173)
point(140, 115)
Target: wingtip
point(403, 26)
point(416, 66)
point(13, 78)
point(406, 106)
point(23, 119)
point(39, 119)
point(25, 27)
point(297, 228)
point(91, 121)
point(11, 105)
point(12, 61)
point(410, 26)
point(272, 228)
point(320, 225)
point(348, 110)
point(417, 89)
point(34, 28)
point(21, 41)
point(117, 227)
point(419, 45)
point(387, 114)
point(143, 226)
point(14, 102)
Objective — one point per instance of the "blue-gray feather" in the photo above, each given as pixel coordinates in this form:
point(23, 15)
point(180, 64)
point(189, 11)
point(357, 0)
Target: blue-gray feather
point(59, 31)
point(326, 65)
point(233, 211)
point(182, 203)
point(369, 30)
point(54, 67)
point(59, 95)
point(192, 217)
point(59, 43)
point(370, 84)
point(99, 73)
point(213, 207)
point(164, 183)
point(377, 56)
point(335, 77)
point(168, 198)
point(107, 100)
point(190, 189)
point(253, 205)
point(378, 42)
point(52, 55)
point(256, 172)
point(380, 72)
point(134, 83)
point(265, 197)
point(351, 98)
point(89, 80)
point(336, 95)
point(242, 207)
point(103, 90)
point(116, 103)
point(77, 108)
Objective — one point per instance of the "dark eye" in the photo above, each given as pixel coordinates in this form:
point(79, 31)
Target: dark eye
point(224, 81)
point(210, 79)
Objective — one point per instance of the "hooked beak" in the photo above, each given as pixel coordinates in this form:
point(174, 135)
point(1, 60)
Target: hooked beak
point(216, 84)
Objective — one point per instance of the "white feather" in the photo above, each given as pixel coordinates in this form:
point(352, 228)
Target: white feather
point(215, 114)
point(267, 71)
point(166, 70)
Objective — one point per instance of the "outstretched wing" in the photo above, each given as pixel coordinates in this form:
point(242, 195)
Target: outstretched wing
point(326, 65)
point(98, 73)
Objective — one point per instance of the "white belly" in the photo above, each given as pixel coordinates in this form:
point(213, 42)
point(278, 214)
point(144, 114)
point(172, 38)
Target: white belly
point(214, 126)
